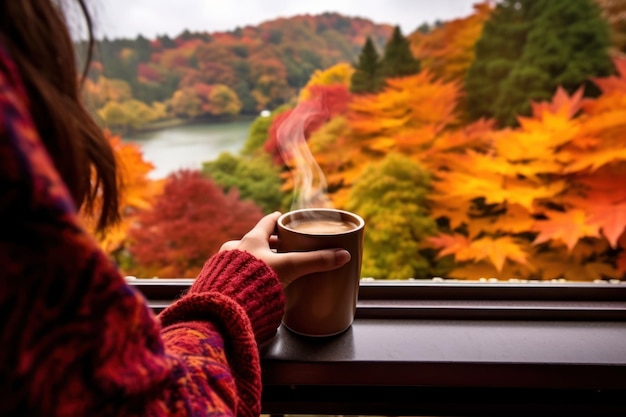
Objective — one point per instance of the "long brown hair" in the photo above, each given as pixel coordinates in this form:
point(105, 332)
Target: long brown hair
point(35, 34)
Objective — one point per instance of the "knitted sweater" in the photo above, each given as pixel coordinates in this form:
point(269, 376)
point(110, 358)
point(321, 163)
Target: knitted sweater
point(76, 340)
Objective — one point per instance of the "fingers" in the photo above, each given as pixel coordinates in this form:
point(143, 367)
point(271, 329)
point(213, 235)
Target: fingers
point(230, 245)
point(265, 227)
point(293, 265)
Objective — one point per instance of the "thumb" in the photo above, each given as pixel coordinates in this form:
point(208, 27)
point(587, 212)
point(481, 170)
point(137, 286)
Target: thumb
point(304, 263)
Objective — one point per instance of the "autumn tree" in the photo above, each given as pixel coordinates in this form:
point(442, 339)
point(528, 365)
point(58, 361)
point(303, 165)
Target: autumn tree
point(340, 74)
point(130, 115)
point(186, 225)
point(391, 198)
point(528, 48)
point(367, 77)
point(398, 60)
point(185, 103)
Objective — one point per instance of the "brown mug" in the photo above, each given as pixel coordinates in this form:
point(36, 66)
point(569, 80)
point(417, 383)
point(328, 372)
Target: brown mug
point(323, 303)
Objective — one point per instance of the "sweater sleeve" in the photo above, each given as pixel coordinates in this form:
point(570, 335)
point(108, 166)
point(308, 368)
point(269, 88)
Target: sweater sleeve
point(77, 340)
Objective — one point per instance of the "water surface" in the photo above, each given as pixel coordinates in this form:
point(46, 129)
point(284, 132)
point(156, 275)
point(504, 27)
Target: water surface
point(188, 146)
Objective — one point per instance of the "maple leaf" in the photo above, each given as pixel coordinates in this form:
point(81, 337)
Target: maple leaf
point(498, 250)
point(610, 218)
point(596, 159)
point(568, 226)
point(449, 244)
point(562, 104)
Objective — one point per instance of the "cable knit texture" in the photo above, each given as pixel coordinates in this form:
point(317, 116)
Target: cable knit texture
point(76, 340)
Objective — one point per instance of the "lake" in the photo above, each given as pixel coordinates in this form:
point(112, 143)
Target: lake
point(187, 146)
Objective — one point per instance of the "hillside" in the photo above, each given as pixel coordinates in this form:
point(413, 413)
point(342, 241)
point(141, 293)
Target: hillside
point(218, 74)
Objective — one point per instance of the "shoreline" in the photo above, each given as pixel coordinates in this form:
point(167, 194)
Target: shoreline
point(177, 122)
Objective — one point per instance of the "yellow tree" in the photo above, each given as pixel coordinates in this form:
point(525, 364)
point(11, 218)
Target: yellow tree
point(337, 74)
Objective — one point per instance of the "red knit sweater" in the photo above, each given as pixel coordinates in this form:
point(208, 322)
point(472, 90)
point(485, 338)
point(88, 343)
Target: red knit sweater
point(76, 340)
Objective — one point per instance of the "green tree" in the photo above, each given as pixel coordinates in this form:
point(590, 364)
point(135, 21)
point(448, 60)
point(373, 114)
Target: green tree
point(530, 47)
point(391, 197)
point(367, 77)
point(259, 130)
point(256, 178)
point(398, 61)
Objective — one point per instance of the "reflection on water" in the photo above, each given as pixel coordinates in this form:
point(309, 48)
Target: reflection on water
point(189, 145)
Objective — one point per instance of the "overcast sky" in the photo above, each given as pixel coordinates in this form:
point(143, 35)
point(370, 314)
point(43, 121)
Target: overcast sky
point(128, 18)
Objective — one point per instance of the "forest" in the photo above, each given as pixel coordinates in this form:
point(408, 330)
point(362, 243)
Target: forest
point(489, 146)
point(136, 83)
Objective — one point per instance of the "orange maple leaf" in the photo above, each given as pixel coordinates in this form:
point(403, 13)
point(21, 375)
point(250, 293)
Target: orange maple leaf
point(449, 244)
point(610, 218)
point(562, 104)
point(498, 250)
point(568, 226)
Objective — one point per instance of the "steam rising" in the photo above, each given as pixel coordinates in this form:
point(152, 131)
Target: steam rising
point(309, 180)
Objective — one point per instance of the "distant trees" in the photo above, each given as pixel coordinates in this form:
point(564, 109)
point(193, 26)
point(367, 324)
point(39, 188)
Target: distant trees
point(371, 70)
point(367, 77)
point(398, 61)
point(263, 67)
point(528, 48)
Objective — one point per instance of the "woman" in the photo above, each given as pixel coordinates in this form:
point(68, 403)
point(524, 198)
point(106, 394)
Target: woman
point(75, 340)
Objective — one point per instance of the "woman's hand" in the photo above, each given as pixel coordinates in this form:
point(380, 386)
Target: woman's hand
point(291, 265)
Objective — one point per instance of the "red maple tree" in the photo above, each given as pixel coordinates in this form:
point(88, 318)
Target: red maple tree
point(186, 225)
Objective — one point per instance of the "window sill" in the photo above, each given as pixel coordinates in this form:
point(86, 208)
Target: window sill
point(428, 348)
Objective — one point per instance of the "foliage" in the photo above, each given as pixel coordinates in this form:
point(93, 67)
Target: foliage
point(186, 225)
point(447, 51)
point(391, 198)
point(201, 100)
point(528, 48)
point(547, 200)
point(390, 121)
point(255, 177)
point(130, 114)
